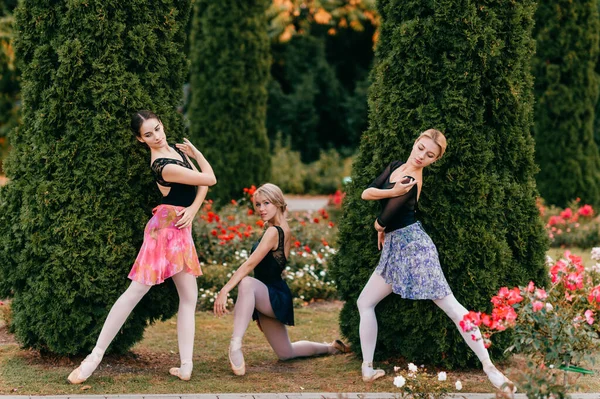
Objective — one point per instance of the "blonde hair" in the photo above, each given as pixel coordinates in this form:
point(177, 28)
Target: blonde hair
point(273, 194)
point(437, 137)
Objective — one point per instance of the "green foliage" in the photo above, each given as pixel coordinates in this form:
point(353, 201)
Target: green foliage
point(322, 54)
point(309, 105)
point(464, 69)
point(323, 176)
point(80, 191)
point(288, 170)
point(229, 51)
point(566, 91)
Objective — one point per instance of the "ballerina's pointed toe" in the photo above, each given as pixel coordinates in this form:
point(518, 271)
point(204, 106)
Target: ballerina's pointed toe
point(372, 377)
point(176, 371)
point(340, 347)
point(75, 377)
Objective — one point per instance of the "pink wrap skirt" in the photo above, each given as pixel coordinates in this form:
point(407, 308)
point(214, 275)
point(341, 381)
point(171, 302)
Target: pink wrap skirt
point(167, 250)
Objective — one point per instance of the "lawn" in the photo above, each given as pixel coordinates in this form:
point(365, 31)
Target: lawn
point(145, 368)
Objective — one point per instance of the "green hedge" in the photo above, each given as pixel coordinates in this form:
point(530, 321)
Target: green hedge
point(463, 68)
point(72, 216)
point(229, 52)
point(566, 92)
point(323, 176)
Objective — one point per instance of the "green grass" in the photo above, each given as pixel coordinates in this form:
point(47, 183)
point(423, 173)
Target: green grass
point(145, 368)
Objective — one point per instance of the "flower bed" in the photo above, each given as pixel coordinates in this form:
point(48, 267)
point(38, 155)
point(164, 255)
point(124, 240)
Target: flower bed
point(224, 241)
point(574, 226)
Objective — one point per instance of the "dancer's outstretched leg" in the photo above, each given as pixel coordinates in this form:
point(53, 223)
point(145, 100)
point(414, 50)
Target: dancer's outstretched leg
point(115, 320)
point(187, 289)
point(375, 290)
point(277, 336)
point(456, 312)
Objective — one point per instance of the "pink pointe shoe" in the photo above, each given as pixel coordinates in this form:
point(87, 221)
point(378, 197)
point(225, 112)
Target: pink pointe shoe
point(86, 368)
point(499, 380)
point(369, 374)
point(236, 345)
point(184, 372)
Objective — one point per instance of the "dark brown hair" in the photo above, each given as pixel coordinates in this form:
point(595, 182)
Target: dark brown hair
point(138, 118)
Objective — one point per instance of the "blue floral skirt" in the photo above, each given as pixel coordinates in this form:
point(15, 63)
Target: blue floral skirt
point(409, 263)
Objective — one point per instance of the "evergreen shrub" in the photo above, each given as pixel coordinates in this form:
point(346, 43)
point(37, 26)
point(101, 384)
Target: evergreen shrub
point(80, 190)
point(463, 68)
point(230, 60)
point(323, 176)
point(566, 91)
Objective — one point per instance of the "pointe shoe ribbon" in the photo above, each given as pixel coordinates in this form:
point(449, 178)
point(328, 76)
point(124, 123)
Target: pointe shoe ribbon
point(235, 345)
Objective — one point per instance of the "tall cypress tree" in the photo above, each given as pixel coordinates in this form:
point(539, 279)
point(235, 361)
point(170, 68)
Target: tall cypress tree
point(80, 191)
point(9, 84)
point(462, 68)
point(230, 57)
point(566, 91)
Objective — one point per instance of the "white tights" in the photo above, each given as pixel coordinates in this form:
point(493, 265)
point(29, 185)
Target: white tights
point(187, 290)
point(252, 294)
point(377, 289)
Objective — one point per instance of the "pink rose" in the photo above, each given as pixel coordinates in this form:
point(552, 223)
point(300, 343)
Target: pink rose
point(589, 317)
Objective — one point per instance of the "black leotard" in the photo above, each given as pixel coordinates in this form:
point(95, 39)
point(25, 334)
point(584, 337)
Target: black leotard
point(396, 212)
point(180, 194)
point(269, 272)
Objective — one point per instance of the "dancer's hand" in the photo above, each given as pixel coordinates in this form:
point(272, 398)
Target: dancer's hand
point(220, 307)
point(187, 217)
point(402, 187)
point(377, 226)
point(188, 148)
point(380, 239)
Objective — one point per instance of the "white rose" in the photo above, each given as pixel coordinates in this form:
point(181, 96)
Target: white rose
point(458, 385)
point(396, 368)
point(549, 307)
point(412, 367)
point(399, 381)
point(442, 376)
point(596, 253)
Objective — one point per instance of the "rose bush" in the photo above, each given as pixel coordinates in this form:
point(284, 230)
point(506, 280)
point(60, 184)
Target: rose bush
point(574, 226)
point(557, 328)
